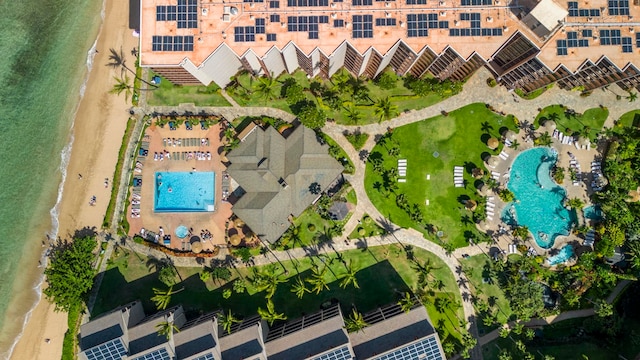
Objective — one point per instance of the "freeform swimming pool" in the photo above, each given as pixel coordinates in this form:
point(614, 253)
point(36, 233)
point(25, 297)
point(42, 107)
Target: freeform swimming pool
point(565, 254)
point(539, 200)
point(593, 212)
point(184, 191)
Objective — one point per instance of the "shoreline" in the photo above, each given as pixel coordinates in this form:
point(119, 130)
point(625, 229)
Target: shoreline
point(94, 140)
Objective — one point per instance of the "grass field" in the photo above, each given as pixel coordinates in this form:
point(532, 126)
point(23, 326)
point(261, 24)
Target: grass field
point(385, 273)
point(400, 96)
point(457, 140)
point(593, 119)
point(630, 118)
point(369, 228)
point(171, 95)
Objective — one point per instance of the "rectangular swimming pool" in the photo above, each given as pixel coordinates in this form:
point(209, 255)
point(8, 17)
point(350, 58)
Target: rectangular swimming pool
point(184, 192)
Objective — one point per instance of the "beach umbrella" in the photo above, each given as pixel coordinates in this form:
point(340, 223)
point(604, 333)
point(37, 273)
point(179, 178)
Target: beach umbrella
point(492, 161)
point(477, 173)
point(223, 158)
point(196, 244)
point(483, 190)
point(550, 125)
point(510, 135)
point(238, 223)
point(493, 143)
point(483, 225)
point(583, 141)
point(235, 240)
point(471, 205)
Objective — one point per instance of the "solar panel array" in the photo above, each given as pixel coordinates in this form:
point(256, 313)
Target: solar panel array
point(561, 47)
point(274, 18)
point(610, 37)
point(361, 2)
point(416, 2)
point(160, 354)
point(362, 26)
point(338, 354)
point(306, 23)
point(417, 25)
point(208, 356)
point(244, 33)
point(475, 27)
point(111, 350)
point(171, 43)
point(638, 40)
point(573, 41)
point(425, 349)
point(338, 23)
point(587, 33)
point(626, 45)
point(385, 22)
point(575, 10)
point(308, 2)
point(187, 14)
point(476, 2)
point(618, 7)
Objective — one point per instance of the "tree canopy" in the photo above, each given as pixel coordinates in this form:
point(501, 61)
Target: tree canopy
point(70, 272)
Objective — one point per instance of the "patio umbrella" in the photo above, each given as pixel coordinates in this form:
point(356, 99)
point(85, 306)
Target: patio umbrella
point(477, 173)
point(471, 205)
point(238, 223)
point(493, 143)
point(235, 240)
point(583, 141)
point(510, 135)
point(550, 125)
point(492, 161)
point(196, 245)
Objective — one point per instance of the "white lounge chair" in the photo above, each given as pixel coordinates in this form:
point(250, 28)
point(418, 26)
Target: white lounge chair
point(402, 180)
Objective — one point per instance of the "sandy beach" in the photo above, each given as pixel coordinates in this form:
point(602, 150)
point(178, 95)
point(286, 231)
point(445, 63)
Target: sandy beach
point(99, 126)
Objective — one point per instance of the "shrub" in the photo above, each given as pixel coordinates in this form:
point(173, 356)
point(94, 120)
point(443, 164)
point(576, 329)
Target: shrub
point(357, 139)
point(311, 227)
point(492, 82)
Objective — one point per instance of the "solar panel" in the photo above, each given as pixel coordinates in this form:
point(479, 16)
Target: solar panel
point(605, 37)
point(161, 13)
point(573, 8)
point(465, 17)
point(274, 4)
point(187, 14)
point(260, 26)
point(626, 45)
point(587, 33)
point(362, 26)
point(583, 43)
point(638, 40)
point(417, 25)
point(160, 354)
point(572, 39)
point(618, 7)
point(342, 353)
point(497, 32)
point(416, 2)
point(271, 37)
point(324, 19)
point(454, 32)
point(443, 24)
point(562, 47)
point(274, 18)
point(338, 23)
point(208, 356)
point(476, 2)
point(361, 2)
point(425, 349)
point(385, 22)
point(594, 12)
point(111, 350)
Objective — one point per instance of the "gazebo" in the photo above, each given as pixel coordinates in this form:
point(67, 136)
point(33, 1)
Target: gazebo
point(493, 143)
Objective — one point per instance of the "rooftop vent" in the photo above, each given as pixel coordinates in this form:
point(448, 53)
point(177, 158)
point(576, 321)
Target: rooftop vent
point(283, 183)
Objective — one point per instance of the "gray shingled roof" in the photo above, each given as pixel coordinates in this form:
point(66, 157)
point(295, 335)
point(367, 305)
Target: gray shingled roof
point(263, 161)
point(243, 344)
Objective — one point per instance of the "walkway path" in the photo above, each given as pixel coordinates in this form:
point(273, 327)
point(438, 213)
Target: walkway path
point(475, 90)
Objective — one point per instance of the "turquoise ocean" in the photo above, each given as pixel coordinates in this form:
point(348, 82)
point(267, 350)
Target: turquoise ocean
point(45, 47)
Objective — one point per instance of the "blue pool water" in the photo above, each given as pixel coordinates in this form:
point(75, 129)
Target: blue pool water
point(593, 212)
point(539, 199)
point(184, 191)
point(565, 254)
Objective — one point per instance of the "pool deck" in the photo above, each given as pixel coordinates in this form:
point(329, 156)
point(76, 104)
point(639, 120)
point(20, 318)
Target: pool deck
point(215, 221)
point(582, 190)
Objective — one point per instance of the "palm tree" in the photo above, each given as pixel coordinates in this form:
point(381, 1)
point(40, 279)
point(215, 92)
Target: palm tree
point(300, 288)
point(544, 139)
point(424, 270)
point(317, 279)
point(406, 302)
point(270, 314)
point(353, 114)
point(266, 280)
point(515, 144)
point(162, 298)
point(122, 85)
point(167, 328)
point(355, 322)
point(443, 303)
point(634, 253)
point(384, 109)
point(117, 60)
point(266, 88)
point(349, 278)
point(633, 96)
point(575, 203)
point(227, 320)
point(486, 127)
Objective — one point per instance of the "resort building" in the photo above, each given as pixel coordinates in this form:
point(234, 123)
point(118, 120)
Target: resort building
point(278, 177)
point(526, 44)
point(125, 333)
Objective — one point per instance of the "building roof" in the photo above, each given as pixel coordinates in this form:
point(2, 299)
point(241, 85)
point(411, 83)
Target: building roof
point(549, 14)
point(276, 174)
point(198, 339)
point(244, 343)
point(323, 334)
point(394, 330)
point(144, 337)
point(111, 325)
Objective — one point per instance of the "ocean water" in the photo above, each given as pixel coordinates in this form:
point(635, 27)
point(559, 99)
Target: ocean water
point(45, 46)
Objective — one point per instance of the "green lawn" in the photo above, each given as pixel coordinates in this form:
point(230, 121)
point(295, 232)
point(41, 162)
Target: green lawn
point(169, 94)
point(474, 269)
point(630, 118)
point(384, 274)
point(592, 119)
point(368, 227)
point(459, 140)
point(400, 96)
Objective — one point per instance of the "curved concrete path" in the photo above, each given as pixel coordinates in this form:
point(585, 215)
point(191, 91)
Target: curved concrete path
point(475, 90)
